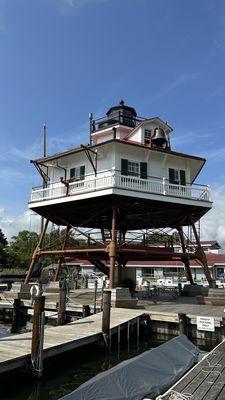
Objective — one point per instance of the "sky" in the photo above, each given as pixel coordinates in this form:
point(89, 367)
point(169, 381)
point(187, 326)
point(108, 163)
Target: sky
point(61, 59)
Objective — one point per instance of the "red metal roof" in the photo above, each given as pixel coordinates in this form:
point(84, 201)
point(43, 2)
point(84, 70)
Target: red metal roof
point(211, 258)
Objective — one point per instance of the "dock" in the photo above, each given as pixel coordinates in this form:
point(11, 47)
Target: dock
point(206, 381)
point(15, 350)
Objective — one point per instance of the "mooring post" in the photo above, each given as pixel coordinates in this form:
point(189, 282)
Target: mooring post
point(182, 318)
point(39, 306)
point(138, 332)
point(95, 296)
point(103, 288)
point(118, 338)
point(106, 317)
point(86, 310)
point(17, 316)
point(62, 303)
point(128, 336)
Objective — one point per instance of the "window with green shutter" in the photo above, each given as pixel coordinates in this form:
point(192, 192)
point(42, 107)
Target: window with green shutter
point(177, 176)
point(182, 177)
point(124, 166)
point(77, 173)
point(143, 170)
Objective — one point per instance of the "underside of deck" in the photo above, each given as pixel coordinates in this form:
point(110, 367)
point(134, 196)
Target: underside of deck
point(133, 213)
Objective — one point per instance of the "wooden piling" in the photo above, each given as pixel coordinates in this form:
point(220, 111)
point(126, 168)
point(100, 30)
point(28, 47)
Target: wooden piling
point(106, 314)
point(182, 324)
point(62, 303)
point(95, 296)
point(86, 311)
point(17, 319)
point(39, 306)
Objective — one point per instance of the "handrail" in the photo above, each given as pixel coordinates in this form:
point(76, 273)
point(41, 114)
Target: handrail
point(115, 179)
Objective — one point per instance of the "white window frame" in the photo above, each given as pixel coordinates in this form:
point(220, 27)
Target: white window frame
point(137, 166)
point(147, 137)
point(77, 168)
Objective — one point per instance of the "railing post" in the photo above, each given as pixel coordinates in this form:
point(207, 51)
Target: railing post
point(209, 193)
point(164, 185)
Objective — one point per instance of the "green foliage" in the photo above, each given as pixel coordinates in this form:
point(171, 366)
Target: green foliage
point(21, 248)
point(3, 249)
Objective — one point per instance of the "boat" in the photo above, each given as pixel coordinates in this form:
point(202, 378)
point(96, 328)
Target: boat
point(146, 375)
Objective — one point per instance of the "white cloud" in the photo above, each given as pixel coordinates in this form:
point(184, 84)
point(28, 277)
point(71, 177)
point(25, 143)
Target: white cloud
point(24, 221)
point(68, 6)
point(181, 80)
point(213, 223)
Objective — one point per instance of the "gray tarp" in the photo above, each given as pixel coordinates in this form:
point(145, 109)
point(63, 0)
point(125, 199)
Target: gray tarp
point(149, 374)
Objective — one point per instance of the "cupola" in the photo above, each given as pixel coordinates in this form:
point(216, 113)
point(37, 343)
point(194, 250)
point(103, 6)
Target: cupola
point(121, 114)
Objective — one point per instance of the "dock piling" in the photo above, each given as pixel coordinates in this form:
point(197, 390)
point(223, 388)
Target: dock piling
point(183, 324)
point(95, 296)
point(37, 334)
point(62, 303)
point(106, 316)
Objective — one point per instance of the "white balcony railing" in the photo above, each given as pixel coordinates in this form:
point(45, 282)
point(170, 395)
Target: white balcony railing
point(114, 179)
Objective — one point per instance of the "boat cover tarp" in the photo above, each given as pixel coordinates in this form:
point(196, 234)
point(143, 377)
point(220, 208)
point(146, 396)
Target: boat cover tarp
point(149, 374)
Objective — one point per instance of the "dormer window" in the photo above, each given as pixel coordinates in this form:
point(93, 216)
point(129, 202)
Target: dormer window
point(147, 136)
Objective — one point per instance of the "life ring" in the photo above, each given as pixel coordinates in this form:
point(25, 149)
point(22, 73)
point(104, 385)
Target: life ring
point(34, 291)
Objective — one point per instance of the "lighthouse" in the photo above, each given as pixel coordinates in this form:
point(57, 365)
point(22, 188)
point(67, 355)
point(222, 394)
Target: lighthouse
point(127, 183)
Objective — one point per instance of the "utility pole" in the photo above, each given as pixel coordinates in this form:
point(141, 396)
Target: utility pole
point(44, 155)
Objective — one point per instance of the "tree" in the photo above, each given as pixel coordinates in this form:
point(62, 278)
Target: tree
point(21, 248)
point(3, 249)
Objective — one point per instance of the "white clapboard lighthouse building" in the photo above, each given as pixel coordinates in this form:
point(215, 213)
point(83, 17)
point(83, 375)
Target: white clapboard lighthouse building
point(126, 181)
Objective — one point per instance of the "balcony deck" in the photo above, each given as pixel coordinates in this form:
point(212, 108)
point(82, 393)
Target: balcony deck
point(152, 188)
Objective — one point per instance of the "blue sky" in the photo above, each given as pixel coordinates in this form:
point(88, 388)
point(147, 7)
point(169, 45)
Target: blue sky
point(61, 59)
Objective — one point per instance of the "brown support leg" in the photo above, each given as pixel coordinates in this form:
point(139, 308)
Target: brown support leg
point(185, 259)
point(112, 250)
point(202, 257)
point(60, 260)
point(35, 253)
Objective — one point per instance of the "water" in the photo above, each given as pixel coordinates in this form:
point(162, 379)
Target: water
point(64, 374)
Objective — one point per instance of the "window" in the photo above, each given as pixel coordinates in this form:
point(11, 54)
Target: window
point(147, 136)
point(177, 176)
point(148, 271)
point(133, 168)
point(77, 173)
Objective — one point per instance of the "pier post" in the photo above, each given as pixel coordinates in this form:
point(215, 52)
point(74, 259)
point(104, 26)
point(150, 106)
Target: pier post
point(95, 296)
point(182, 324)
point(86, 311)
point(19, 316)
point(106, 316)
point(62, 303)
point(37, 337)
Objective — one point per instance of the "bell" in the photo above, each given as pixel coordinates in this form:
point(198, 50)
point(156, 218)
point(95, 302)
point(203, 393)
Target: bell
point(159, 137)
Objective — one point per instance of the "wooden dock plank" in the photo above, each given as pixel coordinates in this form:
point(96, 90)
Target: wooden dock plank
point(15, 350)
point(206, 381)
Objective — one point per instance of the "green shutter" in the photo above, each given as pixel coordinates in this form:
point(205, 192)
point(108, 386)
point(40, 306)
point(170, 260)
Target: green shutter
point(182, 177)
point(143, 170)
point(82, 172)
point(171, 175)
point(72, 173)
point(124, 166)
